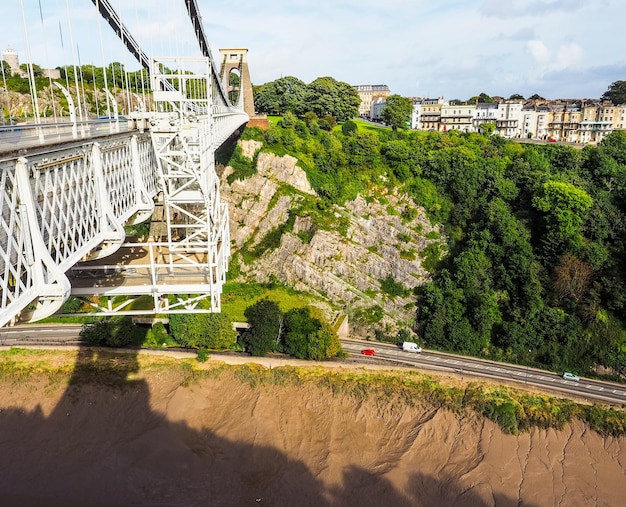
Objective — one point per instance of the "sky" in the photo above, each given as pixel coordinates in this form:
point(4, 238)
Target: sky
point(451, 48)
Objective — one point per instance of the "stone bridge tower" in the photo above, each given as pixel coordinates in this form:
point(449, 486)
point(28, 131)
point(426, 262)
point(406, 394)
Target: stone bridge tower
point(237, 59)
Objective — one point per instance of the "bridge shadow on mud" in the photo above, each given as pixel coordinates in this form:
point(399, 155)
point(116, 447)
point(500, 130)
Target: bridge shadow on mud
point(104, 445)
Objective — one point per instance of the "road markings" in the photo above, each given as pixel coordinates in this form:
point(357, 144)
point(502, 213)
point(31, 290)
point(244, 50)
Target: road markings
point(595, 388)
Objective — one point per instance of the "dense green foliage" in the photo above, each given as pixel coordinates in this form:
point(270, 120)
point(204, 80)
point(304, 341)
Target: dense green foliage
point(307, 337)
point(397, 112)
point(324, 97)
point(296, 332)
point(90, 76)
point(266, 326)
point(533, 271)
point(91, 81)
point(203, 330)
point(113, 332)
point(616, 93)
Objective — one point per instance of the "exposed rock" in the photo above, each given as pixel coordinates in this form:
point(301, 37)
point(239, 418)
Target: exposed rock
point(344, 267)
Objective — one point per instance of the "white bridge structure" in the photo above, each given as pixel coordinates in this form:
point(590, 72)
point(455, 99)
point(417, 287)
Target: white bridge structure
point(65, 198)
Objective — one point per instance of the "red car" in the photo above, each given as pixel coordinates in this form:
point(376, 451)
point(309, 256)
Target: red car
point(368, 352)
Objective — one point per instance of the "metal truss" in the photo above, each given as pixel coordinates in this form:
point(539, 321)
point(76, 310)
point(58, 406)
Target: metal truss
point(65, 206)
point(182, 266)
point(64, 211)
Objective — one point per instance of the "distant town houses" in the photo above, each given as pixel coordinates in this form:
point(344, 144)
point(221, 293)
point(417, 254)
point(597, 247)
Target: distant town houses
point(371, 94)
point(579, 121)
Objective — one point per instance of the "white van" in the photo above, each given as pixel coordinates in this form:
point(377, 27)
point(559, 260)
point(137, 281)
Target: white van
point(411, 347)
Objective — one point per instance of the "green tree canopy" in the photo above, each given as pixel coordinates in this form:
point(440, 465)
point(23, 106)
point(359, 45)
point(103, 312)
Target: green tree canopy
point(266, 326)
point(616, 93)
point(564, 206)
point(397, 112)
point(115, 331)
point(483, 97)
point(327, 96)
point(307, 337)
point(37, 70)
point(349, 127)
point(285, 94)
point(209, 330)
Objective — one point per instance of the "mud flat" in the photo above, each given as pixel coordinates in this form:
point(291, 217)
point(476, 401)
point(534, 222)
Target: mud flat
point(94, 429)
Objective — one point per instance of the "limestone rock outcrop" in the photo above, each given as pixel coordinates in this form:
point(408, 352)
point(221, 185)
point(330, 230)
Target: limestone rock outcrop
point(343, 264)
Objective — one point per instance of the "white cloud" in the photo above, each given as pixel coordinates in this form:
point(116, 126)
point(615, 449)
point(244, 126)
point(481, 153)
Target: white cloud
point(454, 48)
point(567, 56)
point(539, 51)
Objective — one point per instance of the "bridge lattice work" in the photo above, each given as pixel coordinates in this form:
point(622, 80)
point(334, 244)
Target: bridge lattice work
point(64, 204)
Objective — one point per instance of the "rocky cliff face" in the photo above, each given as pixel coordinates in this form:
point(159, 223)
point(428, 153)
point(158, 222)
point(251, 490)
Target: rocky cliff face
point(19, 106)
point(343, 256)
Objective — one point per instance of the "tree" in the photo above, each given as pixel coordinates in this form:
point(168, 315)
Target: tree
point(327, 96)
point(616, 93)
point(5, 70)
point(516, 96)
point(536, 96)
point(307, 337)
point(266, 326)
point(285, 94)
point(221, 334)
point(299, 325)
point(564, 206)
point(113, 332)
point(483, 97)
point(348, 128)
point(488, 128)
point(37, 70)
point(572, 278)
point(397, 112)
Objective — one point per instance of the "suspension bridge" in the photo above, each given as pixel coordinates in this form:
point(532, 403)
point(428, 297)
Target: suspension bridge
point(69, 188)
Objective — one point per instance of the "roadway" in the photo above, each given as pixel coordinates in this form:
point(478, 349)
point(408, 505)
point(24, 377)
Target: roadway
point(32, 138)
point(386, 355)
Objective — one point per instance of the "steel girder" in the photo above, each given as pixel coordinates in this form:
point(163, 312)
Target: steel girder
point(70, 205)
point(64, 206)
point(182, 268)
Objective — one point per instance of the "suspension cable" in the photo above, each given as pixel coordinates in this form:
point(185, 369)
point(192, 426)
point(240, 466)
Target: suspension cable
point(43, 27)
point(69, 22)
point(31, 74)
point(104, 72)
point(6, 93)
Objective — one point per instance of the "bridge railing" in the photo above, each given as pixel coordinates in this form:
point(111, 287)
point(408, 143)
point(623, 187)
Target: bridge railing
point(29, 135)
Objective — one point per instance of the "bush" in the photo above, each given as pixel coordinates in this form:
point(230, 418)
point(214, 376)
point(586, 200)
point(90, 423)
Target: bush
point(203, 355)
point(209, 330)
point(348, 128)
point(112, 332)
point(157, 336)
point(307, 337)
point(266, 324)
point(392, 288)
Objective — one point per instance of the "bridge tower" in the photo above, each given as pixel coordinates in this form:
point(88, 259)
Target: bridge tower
point(236, 59)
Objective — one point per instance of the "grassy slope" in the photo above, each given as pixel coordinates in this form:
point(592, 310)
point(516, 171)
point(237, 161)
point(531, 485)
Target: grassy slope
point(513, 410)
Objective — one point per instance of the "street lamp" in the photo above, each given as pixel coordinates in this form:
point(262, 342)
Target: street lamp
point(529, 352)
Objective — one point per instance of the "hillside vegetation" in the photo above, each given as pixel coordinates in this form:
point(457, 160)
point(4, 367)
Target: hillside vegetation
point(526, 261)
